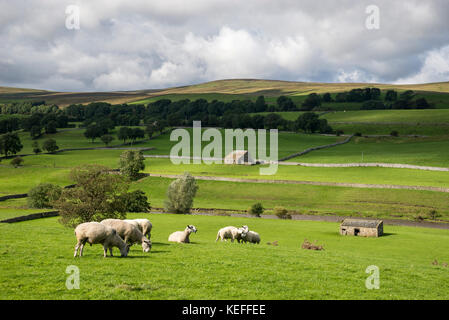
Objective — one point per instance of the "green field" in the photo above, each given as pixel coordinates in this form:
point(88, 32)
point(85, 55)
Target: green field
point(430, 122)
point(208, 270)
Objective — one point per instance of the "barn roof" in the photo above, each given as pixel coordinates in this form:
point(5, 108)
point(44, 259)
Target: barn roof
point(361, 223)
point(237, 153)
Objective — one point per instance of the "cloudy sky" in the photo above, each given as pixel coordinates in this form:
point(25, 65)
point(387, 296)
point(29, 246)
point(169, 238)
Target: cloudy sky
point(144, 44)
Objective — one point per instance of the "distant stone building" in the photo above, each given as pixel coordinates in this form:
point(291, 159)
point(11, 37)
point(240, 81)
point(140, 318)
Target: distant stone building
point(239, 157)
point(362, 228)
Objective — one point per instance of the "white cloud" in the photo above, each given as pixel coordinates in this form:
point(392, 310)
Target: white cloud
point(154, 44)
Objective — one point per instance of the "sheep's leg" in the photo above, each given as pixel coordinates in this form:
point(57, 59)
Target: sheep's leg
point(105, 250)
point(110, 251)
point(76, 248)
point(82, 247)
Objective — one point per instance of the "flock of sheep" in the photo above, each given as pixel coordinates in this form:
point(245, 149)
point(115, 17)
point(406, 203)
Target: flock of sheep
point(124, 233)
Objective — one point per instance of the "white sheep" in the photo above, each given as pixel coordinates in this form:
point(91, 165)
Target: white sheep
point(182, 236)
point(251, 236)
point(129, 233)
point(231, 232)
point(144, 226)
point(94, 232)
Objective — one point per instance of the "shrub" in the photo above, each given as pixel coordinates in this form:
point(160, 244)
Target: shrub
point(180, 194)
point(256, 209)
point(419, 218)
point(358, 134)
point(339, 132)
point(16, 162)
point(136, 201)
point(131, 162)
point(433, 214)
point(394, 133)
point(43, 195)
point(282, 213)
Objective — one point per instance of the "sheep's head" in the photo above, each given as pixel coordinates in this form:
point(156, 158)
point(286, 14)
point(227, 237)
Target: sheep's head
point(192, 228)
point(245, 229)
point(125, 251)
point(146, 245)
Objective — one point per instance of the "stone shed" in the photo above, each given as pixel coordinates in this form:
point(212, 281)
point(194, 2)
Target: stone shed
point(362, 228)
point(239, 157)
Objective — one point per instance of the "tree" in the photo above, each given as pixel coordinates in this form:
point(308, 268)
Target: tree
point(407, 95)
point(35, 132)
point(327, 97)
point(51, 127)
point(43, 195)
point(256, 209)
point(10, 144)
point(313, 100)
point(422, 103)
point(107, 139)
point(308, 122)
point(150, 129)
point(136, 201)
point(260, 105)
point(96, 196)
point(36, 148)
point(131, 162)
point(124, 134)
point(180, 194)
point(391, 95)
point(50, 145)
point(93, 131)
point(286, 104)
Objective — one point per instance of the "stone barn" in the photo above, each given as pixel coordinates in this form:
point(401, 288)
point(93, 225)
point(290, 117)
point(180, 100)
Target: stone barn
point(239, 157)
point(362, 228)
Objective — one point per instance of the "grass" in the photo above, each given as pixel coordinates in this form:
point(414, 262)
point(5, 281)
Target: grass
point(307, 199)
point(432, 122)
point(208, 270)
point(432, 151)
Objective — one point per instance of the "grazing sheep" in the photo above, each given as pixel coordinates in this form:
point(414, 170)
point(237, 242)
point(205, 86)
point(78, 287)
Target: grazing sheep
point(182, 236)
point(144, 225)
point(251, 236)
point(231, 232)
point(94, 232)
point(129, 233)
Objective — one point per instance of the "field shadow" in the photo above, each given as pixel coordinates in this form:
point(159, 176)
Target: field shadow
point(160, 244)
point(158, 251)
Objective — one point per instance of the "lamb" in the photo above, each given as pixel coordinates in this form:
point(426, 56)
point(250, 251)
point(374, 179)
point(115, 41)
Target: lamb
point(144, 225)
point(232, 233)
point(129, 233)
point(251, 236)
point(94, 232)
point(182, 236)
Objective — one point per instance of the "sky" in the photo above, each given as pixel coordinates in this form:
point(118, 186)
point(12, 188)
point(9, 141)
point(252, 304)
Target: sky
point(142, 44)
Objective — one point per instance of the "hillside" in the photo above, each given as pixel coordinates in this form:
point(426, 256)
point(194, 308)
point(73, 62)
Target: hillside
point(225, 90)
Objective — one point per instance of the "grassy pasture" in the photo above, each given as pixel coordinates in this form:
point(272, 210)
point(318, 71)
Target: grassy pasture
point(430, 122)
point(432, 151)
point(208, 270)
point(233, 195)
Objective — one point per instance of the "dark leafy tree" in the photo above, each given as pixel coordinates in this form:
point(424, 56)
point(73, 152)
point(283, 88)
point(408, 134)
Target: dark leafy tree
point(107, 139)
point(10, 144)
point(50, 146)
point(96, 196)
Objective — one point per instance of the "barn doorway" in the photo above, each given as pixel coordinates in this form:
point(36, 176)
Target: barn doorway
point(356, 232)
